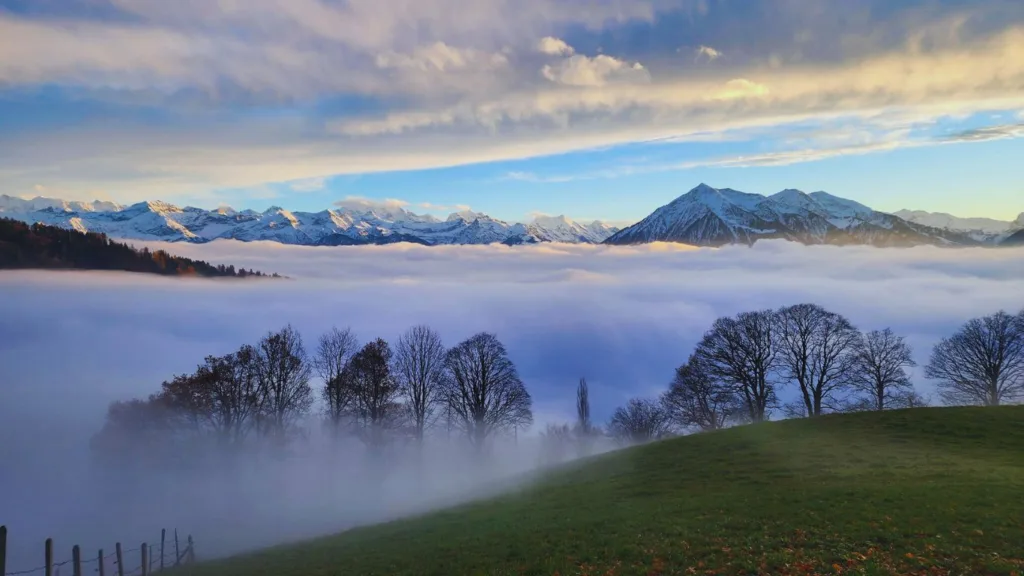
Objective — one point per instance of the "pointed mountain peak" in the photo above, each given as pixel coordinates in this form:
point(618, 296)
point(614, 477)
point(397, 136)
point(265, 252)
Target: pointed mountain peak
point(465, 216)
point(793, 199)
point(1020, 220)
point(716, 199)
point(700, 194)
point(701, 190)
point(158, 206)
point(789, 193)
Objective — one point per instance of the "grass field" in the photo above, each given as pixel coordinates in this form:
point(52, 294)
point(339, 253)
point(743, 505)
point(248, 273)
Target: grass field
point(924, 491)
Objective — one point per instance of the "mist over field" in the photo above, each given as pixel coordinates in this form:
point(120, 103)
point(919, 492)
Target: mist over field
point(623, 317)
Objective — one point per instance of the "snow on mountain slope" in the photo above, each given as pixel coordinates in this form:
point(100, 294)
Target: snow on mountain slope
point(981, 229)
point(563, 229)
point(346, 225)
point(1015, 239)
point(840, 207)
point(706, 216)
point(15, 204)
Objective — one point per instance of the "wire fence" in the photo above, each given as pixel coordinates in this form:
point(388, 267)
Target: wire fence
point(144, 559)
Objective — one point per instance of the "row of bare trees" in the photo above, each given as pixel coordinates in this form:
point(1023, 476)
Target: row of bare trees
point(379, 393)
point(374, 392)
point(740, 364)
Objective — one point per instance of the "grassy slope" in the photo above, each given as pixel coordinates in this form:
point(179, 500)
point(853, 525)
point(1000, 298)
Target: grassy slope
point(926, 491)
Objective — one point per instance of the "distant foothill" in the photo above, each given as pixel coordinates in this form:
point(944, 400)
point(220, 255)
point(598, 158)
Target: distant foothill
point(39, 246)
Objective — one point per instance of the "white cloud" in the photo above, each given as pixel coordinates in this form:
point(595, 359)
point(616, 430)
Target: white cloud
point(789, 157)
point(360, 203)
point(707, 53)
point(679, 105)
point(308, 184)
point(554, 47)
point(999, 132)
point(431, 207)
point(623, 317)
point(441, 57)
point(289, 48)
point(819, 145)
point(598, 71)
point(462, 96)
point(532, 177)
point(740, 88)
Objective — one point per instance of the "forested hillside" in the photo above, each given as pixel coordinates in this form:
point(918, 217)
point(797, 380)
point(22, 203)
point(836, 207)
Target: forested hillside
point(40, 246)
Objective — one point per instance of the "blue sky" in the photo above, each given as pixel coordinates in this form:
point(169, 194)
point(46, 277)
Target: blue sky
point(598, 109)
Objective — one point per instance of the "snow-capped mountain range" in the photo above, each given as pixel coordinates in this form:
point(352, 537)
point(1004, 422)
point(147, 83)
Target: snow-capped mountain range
point(981, 229)
point(704, 216)
point(157, 220)
point(707, 216)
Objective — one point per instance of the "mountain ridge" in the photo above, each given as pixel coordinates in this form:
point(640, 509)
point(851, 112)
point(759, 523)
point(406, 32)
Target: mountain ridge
point(706, 216)
point(703, 216)
point(982, 229)
point(341, 226)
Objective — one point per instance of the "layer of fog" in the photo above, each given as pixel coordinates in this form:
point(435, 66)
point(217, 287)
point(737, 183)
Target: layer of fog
point(624, 318)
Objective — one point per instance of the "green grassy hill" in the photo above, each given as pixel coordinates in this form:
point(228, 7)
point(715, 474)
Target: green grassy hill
point(924, 491)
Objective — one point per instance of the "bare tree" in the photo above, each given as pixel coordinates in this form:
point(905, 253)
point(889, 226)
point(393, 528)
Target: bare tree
point(640, 420)
point(211, 411)
point(695, 400)
point(225, 391)
point(376, 393)
point(419, 368)
point(880, 371)
point(742, 353)
point(555, 441)
point(334, 349)
point(244, 391)
point(483, 389)
point(282, 372)
point(817, 351)
point(982, 363)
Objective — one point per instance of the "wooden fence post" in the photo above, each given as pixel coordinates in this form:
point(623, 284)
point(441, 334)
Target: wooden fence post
point(145, 560)
point(191, 550)
point(120, 559)
point(177, 554)
point(163, 535)
point(76, 560)
point(101, 565)
point(3, 549)
point(49, 557)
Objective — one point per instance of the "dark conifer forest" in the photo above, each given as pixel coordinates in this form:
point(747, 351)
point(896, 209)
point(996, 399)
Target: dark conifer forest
point(35, 246)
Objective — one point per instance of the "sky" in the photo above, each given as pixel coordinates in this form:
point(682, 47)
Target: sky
point(590, 108)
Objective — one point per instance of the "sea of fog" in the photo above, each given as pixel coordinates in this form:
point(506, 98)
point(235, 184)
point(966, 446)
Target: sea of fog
point(623, 317)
